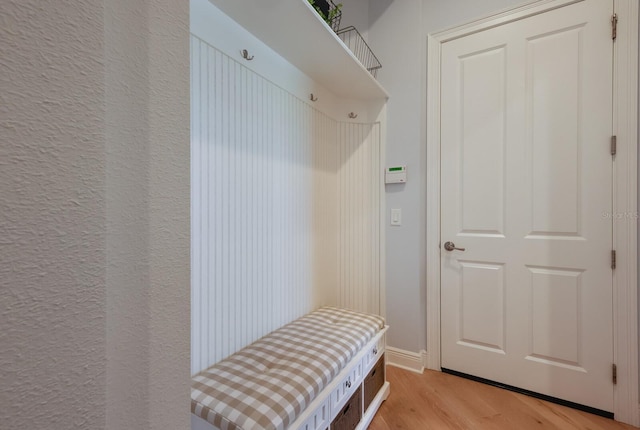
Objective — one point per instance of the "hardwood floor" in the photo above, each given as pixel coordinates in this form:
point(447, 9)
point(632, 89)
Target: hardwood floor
point(436, 400)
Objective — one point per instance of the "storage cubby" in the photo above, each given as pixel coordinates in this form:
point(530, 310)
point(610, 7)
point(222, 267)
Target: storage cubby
point(349, 416)
point(373, 382)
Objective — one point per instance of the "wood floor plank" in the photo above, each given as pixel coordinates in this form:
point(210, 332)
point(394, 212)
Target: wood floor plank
point(436, 400)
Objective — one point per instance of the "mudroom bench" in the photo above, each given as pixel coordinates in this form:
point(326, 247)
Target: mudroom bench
point(322, 371)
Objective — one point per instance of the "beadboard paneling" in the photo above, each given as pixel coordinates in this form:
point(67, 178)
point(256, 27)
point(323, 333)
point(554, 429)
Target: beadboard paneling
point(360, 185)
point(263, 206)
point(284, 203)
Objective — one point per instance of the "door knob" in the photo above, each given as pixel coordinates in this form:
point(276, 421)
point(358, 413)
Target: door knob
point(450, 246)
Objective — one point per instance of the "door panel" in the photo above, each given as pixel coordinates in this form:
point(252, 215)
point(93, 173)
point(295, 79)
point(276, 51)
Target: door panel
point(553, 91)
point(482, 302)
point(555, 325)
point(483, 143)
point(526, 176)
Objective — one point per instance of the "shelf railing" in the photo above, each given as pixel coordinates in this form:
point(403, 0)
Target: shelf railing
point(356, 43)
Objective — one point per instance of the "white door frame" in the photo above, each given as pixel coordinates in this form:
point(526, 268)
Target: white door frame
point(625, 280)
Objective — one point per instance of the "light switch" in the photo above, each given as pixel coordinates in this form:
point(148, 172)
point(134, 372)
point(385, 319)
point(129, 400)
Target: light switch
point(396, 216)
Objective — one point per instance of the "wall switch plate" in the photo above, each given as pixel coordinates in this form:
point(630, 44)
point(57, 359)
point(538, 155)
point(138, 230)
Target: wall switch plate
point(396, 216)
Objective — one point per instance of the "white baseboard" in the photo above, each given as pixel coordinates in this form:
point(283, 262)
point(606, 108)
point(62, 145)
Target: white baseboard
point(408, 360)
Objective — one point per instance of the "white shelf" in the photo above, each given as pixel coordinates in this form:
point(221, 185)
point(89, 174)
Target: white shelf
point(294, 30)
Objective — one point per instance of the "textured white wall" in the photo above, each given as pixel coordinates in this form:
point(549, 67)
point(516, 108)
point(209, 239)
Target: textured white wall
point(94, 262)
point(147, 127)
point(127, 128)
point(52, 206)
point(168, 214)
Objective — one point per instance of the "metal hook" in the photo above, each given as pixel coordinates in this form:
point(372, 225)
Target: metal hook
point(353, 115)
point(313, 98)
point(245, 55)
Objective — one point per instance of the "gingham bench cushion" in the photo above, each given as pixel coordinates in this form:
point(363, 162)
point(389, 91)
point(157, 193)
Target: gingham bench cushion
point(270, 382)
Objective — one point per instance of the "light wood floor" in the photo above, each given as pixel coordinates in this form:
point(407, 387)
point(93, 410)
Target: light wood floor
point(436, 400)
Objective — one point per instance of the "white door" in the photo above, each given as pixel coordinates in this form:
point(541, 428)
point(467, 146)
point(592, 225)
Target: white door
point(527, 191)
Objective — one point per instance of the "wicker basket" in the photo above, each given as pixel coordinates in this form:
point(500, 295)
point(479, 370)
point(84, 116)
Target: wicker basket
point(349, 417)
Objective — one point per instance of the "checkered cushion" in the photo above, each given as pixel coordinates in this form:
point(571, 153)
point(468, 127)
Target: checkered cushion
point(270, 382)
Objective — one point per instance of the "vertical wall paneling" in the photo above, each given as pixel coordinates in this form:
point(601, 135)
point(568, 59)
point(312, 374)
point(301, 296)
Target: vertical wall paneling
point(284, 207)
point(359, 202)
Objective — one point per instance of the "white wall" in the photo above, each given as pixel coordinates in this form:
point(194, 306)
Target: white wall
point(355, 13)
point(94, 283)
point(166, 219)
point(126, 131)
point(394, 36)
point(52, 252)
point(439, 15)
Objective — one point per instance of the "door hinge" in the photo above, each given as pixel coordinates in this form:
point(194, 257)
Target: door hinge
point(614, 26)
point(614, 145)
point(614, 374)
point(613, 259)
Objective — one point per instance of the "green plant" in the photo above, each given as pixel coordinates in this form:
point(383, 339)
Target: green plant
point(333, 12)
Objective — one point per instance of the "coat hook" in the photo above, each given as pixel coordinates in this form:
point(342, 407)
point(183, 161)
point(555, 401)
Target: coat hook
point(245, 55)
point(313, 98)
point(353, 115)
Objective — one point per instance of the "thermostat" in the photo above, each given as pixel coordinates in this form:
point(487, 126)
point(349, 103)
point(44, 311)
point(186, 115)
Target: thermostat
point(395, 175)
